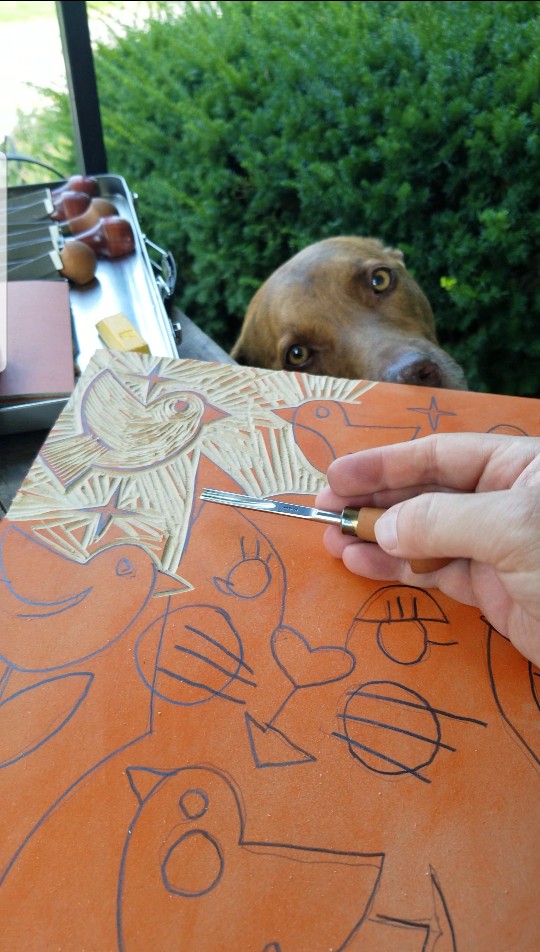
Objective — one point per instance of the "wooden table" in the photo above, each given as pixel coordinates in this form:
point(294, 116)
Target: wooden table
point(18, 450)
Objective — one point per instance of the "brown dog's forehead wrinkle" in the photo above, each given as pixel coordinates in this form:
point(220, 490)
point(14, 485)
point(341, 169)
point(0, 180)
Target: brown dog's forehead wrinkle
point(345, 248)
point(320, 265)
point(338, 270)
point(298, 303)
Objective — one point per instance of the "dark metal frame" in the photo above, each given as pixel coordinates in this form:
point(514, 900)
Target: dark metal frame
point(82, 86)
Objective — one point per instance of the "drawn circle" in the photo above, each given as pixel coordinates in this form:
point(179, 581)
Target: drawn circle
point(390, 728)
point(322, 412)
point(404, 641)
point(509, 428)
point(193, 804)
point(249, 578)
point(192, 655)
point(193, 865)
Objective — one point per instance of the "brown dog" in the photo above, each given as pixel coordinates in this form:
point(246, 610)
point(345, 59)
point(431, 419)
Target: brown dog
point(346, 307)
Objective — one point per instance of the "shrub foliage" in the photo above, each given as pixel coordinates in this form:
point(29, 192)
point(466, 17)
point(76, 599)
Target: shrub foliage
point(250, 129)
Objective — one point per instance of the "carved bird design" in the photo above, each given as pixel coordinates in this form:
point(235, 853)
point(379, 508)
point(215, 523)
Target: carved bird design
point(121, 434)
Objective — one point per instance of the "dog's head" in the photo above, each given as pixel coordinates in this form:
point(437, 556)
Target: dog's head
point(346, 307)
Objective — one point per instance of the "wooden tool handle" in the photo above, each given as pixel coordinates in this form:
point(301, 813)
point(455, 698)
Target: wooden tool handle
point(98, 208)
point(361, 523)
point(111, 237)
point(423, 566)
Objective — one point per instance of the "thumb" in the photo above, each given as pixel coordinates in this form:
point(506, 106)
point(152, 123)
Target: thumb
point(487, 527)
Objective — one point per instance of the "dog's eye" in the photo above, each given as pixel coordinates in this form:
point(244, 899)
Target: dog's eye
point(381, 279)
point(297, 355)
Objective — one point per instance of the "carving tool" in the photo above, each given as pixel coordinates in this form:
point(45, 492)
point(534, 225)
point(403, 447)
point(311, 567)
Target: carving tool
point(30, 197)
point(76, 183)
point(26, 245)
point(76, 213)
point(35, 211)
point(111, 237)
point(40, 254)
point(68, 204)
point(98, 208)
point(35, 269)
point(359, 522)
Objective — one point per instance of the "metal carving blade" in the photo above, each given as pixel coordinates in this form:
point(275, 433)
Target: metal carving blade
point(271, 505)
point(359, 522)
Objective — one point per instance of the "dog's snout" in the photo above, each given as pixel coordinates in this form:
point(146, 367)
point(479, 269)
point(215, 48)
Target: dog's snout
point(422, 373)
point(417, 371)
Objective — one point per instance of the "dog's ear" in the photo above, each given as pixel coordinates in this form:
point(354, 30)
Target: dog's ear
point(395, 253)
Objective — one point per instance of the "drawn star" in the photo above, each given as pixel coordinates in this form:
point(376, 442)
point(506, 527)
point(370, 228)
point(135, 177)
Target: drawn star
point(432, 412)
point(107, 511)
point(153, 378)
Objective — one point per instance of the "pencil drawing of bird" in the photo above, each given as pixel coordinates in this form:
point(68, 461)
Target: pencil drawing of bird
point(122, 434)
point(326, 429)
point(191, 879)
point(55, 611)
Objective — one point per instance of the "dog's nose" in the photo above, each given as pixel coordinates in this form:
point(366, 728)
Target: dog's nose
point(420, 372)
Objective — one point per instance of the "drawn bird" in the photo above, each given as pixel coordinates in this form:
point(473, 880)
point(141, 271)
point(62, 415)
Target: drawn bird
point(54, 611)
point(121, 434)
point(326, 429)
point(191, 879)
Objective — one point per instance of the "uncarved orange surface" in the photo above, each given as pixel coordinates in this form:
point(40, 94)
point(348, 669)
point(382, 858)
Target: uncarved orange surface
point(212, 737)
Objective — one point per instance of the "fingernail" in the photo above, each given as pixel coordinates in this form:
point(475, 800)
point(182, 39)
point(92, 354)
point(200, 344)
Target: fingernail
point(386, 530)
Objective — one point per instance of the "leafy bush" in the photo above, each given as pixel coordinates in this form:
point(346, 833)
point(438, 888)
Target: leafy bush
point(250, 129)
point(45, 135)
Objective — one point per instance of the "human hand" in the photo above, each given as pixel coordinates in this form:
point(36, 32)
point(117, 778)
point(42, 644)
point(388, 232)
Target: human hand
point(472, 497)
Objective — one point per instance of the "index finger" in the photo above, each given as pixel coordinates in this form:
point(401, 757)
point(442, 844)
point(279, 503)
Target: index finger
point(460, 462)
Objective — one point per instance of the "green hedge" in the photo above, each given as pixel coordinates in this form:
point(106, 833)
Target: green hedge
point(250, 129)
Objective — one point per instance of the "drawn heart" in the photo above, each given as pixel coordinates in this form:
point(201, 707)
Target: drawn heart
point(307, 667)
